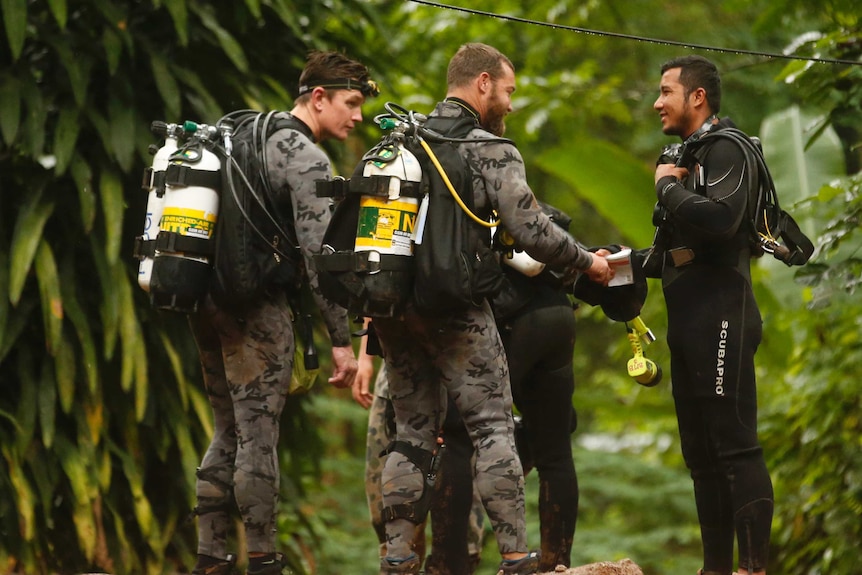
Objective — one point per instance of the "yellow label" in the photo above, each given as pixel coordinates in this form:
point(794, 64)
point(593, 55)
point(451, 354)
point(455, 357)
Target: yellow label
point(188, 222)
point(386, 225)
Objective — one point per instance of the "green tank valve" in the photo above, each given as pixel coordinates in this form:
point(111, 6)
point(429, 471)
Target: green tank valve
point(387, 123)
point(190, 126)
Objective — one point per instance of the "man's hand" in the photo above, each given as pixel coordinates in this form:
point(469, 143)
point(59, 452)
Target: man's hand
point(361, 388)
point(344, 367)
point(663, 170)
point(600, 271)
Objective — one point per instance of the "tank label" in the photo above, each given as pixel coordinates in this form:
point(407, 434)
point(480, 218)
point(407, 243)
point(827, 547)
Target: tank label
point(386, 226)
point(188, 222)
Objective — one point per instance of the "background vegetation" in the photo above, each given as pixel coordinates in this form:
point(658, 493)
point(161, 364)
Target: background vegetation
point(102, 417)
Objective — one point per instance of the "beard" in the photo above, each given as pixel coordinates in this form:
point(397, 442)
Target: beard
point(494, 120)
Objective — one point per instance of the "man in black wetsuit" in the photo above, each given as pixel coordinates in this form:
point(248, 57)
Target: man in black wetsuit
point(714, 325)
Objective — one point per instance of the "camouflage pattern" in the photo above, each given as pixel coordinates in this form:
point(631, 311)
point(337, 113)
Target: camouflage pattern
point(380, 435)
point(381, 428)
point(247, 360)
point(461, 354)
point(295, 163)
point(246, 365)
point(500, 183)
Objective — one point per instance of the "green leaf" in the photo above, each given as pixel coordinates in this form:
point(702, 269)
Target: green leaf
point(113, 206)
point(65, 138)
point(109, 302)
point(617, 184)
point(4, 295)
point(166, 84)
point(231, 47)
point(180, 16)
point(65, 370)
point(34, 119)
point(10, 107)
point(83, 177)
point(49, 291)
point(18, 319)
point(75, 464)
point(76, 65)
point(25, 240)
point(26, 412)
point(121, 116)
point(24, 499)
point(82, 328)
point(113, 45)
point(253, 7)
point(47, 404)
point(15, 19)
point(176, 367)
point(60, 11)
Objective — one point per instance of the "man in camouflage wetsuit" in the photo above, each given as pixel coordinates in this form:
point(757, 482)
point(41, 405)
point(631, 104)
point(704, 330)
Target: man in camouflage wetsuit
point(247, 358)
point(462, 352)
point(450, 494)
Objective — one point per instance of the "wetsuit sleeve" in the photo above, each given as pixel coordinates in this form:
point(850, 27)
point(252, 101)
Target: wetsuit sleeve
point(501, 168)
point(295, 163)
point(721, 186)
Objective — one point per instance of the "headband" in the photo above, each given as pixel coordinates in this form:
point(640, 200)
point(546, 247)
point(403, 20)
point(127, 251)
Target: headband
point(368, 88)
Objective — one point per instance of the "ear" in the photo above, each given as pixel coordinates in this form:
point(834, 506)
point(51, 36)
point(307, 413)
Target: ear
point(483, 83)
point(698, 97)
point(318, 94)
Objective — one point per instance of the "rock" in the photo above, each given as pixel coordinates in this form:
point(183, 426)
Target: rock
point(624, 567)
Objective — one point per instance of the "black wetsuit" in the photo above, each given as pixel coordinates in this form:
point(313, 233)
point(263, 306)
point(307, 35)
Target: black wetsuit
point(714, 329)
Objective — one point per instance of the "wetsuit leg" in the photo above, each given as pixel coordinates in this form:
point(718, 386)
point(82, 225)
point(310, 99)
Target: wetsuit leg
point(539, 345)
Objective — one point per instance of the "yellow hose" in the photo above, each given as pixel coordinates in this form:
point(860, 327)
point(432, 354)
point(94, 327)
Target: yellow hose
point(452, 191)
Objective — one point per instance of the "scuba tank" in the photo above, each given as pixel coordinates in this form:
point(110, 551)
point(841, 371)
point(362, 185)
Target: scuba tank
point(154, 184)
point(514, 258)
point(184, 246)
point(386, 223)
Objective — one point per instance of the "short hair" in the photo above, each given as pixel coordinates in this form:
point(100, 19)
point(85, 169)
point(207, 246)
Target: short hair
point(471, 60)
point(323, 67)
point(698, 72)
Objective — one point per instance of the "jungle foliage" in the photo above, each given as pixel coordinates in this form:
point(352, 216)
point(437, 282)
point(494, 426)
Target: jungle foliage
point(102, 415)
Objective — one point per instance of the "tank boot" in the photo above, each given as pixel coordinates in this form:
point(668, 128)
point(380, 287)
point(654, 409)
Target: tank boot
point(409, 564)
point(208, 565)
point(526, 565)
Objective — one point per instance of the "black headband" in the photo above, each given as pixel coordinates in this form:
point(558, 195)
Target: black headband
point(368, 88)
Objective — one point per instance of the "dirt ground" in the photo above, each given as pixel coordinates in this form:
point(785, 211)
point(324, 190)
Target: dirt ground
point(624, 567)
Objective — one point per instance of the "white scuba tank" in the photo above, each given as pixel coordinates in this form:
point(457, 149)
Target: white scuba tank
point(190, 210)
point(519, 259)
point(154, 182)
point(386, 225)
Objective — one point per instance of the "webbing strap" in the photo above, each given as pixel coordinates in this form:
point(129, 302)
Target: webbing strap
point(377, 186)
point(176, 242)
point(415, 511)
point(144, 248)
point(362, 262)
point(179, 175)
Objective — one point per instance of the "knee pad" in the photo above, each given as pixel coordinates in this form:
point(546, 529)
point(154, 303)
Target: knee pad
point(427, 463)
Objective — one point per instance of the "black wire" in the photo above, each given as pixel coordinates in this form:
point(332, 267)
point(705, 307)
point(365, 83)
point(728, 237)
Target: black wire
point(640, 38)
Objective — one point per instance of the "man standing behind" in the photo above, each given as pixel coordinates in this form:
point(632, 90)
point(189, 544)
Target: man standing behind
point(714, 325)
point(247, 358)
point(462, 351)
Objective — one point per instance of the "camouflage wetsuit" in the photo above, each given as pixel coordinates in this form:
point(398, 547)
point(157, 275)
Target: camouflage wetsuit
point(247, 362)
point(463, 353)
point(381, 432)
